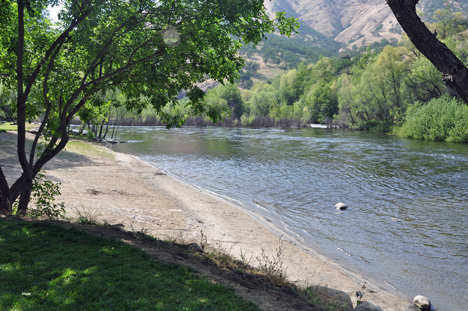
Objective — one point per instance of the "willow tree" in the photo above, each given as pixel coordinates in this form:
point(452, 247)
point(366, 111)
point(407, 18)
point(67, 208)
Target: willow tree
point(154, 48)
point(454, 72)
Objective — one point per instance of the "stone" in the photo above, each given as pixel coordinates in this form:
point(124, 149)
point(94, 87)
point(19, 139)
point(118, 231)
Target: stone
point(194, 247)
point(336, 296)
point(367, 306)
point(341, 206)
point(422, 303)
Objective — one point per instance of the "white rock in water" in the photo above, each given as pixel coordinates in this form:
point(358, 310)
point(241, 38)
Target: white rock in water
point(367, 306)
point(422, 303)
point(341, 206)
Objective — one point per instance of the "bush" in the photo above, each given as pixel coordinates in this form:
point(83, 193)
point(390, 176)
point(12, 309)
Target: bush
point(374, 126)
point(43, 196)
point(442, 118)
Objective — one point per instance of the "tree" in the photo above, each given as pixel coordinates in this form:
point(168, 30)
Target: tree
point(322, 101)
point(263, 98)
point(143, 47)
point(226, 98)
point(454, 72)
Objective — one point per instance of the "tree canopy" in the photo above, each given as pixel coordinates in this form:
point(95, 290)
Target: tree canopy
point(154, 48)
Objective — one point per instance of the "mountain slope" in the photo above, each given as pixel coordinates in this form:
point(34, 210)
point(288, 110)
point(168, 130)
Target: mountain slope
point(329, 27)
point(354, 22)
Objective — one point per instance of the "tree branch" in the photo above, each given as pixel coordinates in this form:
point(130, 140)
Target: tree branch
point(45, 89)
point(454, 72)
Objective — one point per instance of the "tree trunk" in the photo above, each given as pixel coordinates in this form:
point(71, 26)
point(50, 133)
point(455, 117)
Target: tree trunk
point(25, 197)
point(21, 116)
point(107, 131)
point(100, 131)
point(454, 72)
point(5, 196)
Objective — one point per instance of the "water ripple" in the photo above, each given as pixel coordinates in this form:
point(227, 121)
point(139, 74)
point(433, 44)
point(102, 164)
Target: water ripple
point(407, 222)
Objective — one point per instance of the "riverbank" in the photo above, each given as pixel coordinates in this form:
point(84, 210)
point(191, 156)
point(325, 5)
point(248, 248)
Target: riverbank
point(121, 190)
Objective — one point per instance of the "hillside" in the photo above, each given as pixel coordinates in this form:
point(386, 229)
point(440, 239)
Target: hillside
point(354, 22)
point(350, 22)
point(330, 28)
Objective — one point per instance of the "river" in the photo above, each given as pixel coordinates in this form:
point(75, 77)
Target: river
point(407, 223)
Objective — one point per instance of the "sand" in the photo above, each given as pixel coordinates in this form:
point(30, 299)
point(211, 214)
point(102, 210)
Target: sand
point(122, 190)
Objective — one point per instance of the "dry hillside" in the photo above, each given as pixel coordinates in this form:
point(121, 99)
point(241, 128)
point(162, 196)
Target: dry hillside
point(353, 22)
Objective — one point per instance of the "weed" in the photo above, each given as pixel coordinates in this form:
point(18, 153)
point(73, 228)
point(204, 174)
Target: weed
point(272, 266)
point(142, 233)
point(203, 240)
point(90, 136)
point(244, 259)
point(87, 216)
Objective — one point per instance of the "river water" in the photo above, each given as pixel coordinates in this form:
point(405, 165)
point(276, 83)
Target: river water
point(407, 225)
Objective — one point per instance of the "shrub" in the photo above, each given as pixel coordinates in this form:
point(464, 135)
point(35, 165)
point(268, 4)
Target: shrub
point(43, 196)
point(375, 126)
point(442, 118)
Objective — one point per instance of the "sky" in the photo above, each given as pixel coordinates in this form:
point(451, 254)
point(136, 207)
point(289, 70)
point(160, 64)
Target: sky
point(53, 11)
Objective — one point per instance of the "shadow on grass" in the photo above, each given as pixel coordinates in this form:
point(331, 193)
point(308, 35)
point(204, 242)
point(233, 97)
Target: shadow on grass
point(46, 267)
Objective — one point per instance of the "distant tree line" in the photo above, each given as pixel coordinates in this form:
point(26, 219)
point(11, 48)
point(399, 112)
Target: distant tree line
point(391, 89)
point(380, 90)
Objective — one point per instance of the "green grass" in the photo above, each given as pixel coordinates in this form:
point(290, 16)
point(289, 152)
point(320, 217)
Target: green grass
point(8, 126)
point(46, 267)
point(82, 147)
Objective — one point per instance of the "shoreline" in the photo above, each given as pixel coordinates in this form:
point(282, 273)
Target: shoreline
point(129, 192)
point(293, 239)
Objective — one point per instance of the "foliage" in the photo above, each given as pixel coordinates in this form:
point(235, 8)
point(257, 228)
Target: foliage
point(44, 193)
point(87, 216)
point(449, 23)
point(368, 91)
point(443, 118)
point(290, 52)
point(7, 100)
point(226, 100)
point(149, 50)
point(45, 267)
point(272, 265)
point(308, 45)
point(321, 101)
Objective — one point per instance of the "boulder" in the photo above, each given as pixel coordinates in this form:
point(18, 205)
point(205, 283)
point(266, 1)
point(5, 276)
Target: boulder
point(341, 206)
point(367, 306)
point(422, 303)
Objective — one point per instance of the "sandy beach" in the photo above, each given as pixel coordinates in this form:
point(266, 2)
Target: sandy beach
point(122, 190)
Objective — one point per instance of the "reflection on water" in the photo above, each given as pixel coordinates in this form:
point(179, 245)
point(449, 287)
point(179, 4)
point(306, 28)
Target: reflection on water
point(407, 222)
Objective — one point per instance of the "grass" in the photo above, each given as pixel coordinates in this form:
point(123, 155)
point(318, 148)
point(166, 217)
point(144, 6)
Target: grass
point(46, 267)
point(8, 126)
point(82, 147)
